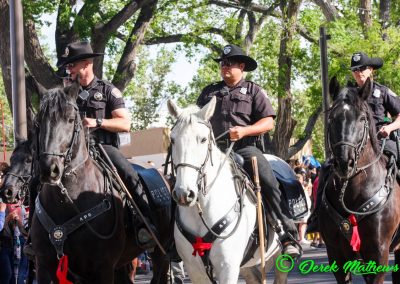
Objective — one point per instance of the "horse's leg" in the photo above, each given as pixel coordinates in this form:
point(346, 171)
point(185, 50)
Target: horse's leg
point(45, 274)
point(377, 252)
point(337, 255)
point(160, 267)
point(252, 275)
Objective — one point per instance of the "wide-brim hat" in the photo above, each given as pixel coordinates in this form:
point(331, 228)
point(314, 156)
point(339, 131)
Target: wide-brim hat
point(360, 59)
point(236, 53)
point(77, 51)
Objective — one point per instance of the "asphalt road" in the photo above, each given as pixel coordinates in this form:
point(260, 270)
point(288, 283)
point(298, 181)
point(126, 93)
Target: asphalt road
point(319, 257)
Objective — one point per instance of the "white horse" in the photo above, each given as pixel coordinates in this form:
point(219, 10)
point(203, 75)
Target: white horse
point(205, 183)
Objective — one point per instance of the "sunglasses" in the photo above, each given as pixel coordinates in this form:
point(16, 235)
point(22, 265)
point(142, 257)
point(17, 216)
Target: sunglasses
point(227, 63)
point(73, 64)
point(359, 69)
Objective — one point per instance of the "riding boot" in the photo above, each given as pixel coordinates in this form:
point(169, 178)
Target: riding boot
point(144, 237)
point(132, 182)
point(285, 228)
point(312, 222)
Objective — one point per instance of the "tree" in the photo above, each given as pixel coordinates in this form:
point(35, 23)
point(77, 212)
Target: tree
point(282, 35)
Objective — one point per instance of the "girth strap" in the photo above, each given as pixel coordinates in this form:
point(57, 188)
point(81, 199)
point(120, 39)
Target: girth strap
point(58, 233)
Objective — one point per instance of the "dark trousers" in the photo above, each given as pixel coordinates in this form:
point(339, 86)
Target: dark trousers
point(130, 178)
point(269, 186)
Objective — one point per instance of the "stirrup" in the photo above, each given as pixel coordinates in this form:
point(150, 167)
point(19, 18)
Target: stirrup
point(28, 251)
point(144, 238)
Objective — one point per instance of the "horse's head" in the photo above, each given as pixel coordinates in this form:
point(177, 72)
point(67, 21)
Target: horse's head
point(59, 126)
point(348, 125)
point(18, 175)
point(191, 142)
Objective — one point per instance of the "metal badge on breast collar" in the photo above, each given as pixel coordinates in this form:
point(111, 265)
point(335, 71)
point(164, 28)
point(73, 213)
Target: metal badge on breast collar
point(345, 225)
point(58, 234)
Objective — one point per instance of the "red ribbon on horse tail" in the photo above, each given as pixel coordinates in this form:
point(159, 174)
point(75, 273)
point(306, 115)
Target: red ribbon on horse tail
point(62, 270)
point(355, 241)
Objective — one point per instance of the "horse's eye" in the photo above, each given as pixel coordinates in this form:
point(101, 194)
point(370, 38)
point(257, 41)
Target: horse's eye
point(71, 120)
point(28, 160)
point(203, 140)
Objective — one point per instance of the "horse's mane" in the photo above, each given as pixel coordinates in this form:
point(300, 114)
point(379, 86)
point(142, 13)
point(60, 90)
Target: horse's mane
point(54, 103)
point(349, 95)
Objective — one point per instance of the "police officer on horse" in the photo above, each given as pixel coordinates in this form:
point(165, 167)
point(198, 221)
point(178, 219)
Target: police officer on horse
point(382, 101)
point(243, 111)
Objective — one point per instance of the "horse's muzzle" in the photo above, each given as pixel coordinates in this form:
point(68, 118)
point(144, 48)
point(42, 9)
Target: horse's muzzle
point(51, 170)
point(344, 168)
point(7, 194)
point(184, 197)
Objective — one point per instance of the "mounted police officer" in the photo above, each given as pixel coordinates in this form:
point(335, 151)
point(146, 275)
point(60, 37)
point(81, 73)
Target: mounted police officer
point(244, 111)
point(382, 102)
point(104, 111)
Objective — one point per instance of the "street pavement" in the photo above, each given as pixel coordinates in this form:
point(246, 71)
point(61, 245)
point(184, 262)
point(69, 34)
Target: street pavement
point(319, 257)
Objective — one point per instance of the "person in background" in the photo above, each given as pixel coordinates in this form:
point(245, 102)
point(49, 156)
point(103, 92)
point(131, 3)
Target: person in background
point(13, 263)
point(307, 187)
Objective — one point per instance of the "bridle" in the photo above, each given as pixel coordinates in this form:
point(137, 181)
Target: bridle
point(201, 176)
point(357, 147)
point(67, 154)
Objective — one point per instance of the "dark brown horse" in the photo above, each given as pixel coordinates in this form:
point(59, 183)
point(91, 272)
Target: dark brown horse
point(99, 239)
point(360, 191)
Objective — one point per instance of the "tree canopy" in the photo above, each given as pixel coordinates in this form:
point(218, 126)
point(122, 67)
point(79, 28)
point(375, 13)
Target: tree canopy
point(282, 35)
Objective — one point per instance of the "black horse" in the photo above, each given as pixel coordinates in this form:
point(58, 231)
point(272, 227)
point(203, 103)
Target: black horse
point(360, 192)
point(79, 214)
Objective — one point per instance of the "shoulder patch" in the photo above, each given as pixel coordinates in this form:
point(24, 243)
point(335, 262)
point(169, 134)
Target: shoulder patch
point(390, 92)
point(116, 93)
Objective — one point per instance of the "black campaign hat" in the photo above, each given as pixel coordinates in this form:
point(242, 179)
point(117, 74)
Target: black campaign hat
point(77, 51)
point(360, 59)
point(236, 53)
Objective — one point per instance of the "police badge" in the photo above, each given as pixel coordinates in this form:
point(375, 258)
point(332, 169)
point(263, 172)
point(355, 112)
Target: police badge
point(66, 52)
point(356, 57)
point(227, 49)
point(98, 96)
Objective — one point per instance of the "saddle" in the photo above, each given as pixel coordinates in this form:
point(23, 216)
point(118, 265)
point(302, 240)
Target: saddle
point(291, 189)
point(156, 188)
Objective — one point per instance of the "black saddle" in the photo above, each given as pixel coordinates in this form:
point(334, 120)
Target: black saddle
point(155, 186)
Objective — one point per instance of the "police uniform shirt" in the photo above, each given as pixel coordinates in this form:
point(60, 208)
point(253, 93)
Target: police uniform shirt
point(103, 99)
point(383, 101)
point(242, 105)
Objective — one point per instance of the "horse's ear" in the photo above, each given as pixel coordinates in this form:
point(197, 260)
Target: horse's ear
point(173, 109)
point(334, 87)
point(208, 110)
point(73, 89)
point(366, 89)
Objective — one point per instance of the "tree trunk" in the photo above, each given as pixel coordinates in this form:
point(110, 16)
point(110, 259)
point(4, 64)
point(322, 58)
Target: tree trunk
point(365, 14)
point(285, 123)
point(384, 16)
